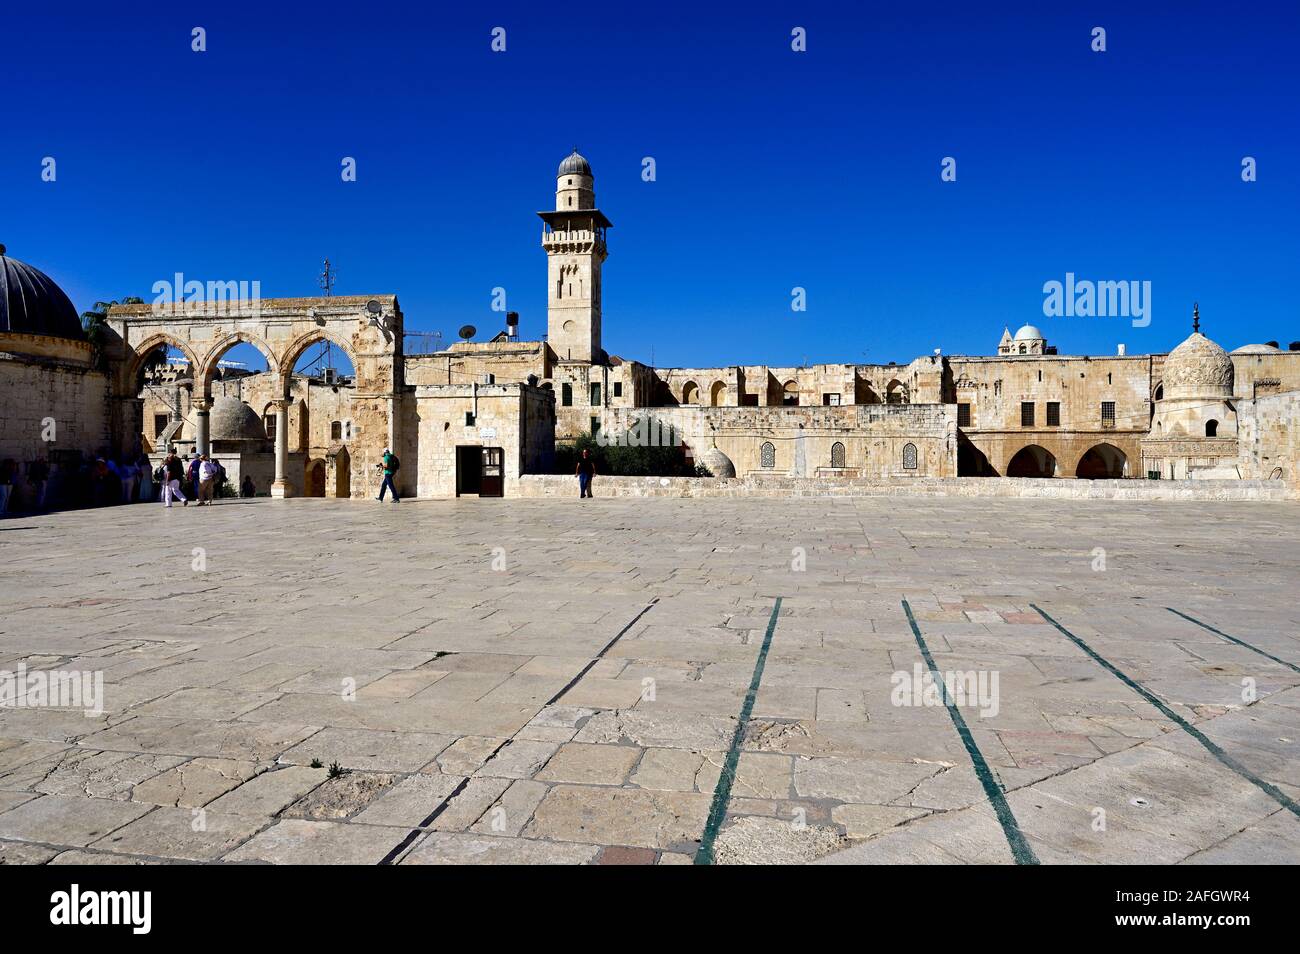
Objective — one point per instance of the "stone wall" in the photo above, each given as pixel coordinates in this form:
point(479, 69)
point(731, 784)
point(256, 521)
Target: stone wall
point(76, 398)
point(515, 417)
point(1260, 375)
point(534, 485)
point(1268, 437)
point(995, 388)
point(874, 436)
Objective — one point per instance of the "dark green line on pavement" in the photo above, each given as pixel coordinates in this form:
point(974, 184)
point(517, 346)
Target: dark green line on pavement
point(1271, 790)
point(1020, 850)
point(722, 793)
point(1233, 639)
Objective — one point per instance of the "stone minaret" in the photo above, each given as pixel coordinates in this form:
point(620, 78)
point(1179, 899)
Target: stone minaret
point(574, 239)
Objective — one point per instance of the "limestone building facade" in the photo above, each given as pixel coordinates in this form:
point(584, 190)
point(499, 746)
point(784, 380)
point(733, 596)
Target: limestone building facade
point(476, 416)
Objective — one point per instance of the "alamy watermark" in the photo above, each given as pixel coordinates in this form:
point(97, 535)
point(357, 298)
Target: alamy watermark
point(974, 688)
point(1088, 299)
point(644, 432)
point(52, 689)
point(242, 298)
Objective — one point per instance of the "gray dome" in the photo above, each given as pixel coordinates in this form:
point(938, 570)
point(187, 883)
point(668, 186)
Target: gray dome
point(719, 464)
point(232, 420)
point(1256, 349)
point(574, 165)
point(32, 304)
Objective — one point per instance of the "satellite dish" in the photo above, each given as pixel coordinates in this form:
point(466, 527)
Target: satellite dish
point(374, 307)
point(467, 332)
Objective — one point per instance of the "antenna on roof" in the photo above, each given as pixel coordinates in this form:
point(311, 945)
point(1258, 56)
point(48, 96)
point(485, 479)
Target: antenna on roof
point(327, 279)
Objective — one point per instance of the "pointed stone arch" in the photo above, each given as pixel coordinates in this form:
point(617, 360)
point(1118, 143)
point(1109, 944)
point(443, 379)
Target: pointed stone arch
point(294, 350)
point(1102, 462)
point(212, 358)
point(142, 350)
point(1032, 460)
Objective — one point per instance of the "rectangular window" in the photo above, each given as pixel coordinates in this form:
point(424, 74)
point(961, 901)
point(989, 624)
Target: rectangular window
point(963, 415)
point(336, 430)
point(469, 418)
point(160, 424)
point(1053, 413)
point(566, 394)
point(1108, 413)
point(595, 395)
point(595, 425)
point(1026, 413)
point(618, 389)
point(831, 400)
point(268, 421)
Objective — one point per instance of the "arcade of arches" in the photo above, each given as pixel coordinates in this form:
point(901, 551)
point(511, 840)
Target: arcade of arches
point(287, 443)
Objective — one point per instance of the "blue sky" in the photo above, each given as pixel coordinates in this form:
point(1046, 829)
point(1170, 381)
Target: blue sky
point(775, 169)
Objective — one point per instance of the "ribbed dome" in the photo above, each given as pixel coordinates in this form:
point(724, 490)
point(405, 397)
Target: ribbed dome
point(574, 165)
point(1198, 368)
point(32, 304)
point(232, 420)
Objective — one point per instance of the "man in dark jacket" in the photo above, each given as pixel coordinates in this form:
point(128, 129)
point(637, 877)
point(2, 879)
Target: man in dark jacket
point(171, 488)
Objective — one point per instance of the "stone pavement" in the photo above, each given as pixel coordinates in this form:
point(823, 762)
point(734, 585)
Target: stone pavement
point(555, 681)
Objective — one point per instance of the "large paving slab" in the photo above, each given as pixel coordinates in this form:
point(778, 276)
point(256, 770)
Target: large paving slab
point(351, 683)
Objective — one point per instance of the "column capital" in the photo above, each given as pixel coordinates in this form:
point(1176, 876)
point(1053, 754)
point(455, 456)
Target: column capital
point(201, 405)
point(281, 404)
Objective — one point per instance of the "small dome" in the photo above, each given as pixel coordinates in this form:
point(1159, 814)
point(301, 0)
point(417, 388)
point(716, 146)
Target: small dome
point(1198, 368)
point(1256, 349)
point(1029, 333)
point(32, 304)
point(718, 463)
point(232, 420)
point(574, 165)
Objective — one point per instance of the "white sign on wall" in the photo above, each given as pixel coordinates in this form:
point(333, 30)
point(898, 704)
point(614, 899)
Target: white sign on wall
point(487, 433)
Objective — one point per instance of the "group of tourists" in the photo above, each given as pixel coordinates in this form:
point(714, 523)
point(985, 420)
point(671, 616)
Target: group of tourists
point(95, 481)
point(102, 480)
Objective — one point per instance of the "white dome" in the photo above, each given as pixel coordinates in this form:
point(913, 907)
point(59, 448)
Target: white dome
point(1257, 349)
point(1028, 333)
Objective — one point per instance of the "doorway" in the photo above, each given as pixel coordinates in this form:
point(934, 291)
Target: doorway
point(480, 470)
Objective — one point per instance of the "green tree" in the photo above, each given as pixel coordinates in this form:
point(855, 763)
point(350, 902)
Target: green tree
point(94, 324)
point(626, 460)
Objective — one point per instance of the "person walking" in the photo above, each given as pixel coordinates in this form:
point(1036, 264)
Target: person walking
point(208, 472)
point(586, 471)
point(8, 471)
point(171, 488)
point(389, 465)
point(146, 479)
point(192, 476)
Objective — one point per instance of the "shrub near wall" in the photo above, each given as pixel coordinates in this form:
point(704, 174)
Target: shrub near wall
point(623, 461)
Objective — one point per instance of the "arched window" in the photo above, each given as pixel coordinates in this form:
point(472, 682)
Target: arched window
point(1160, 392)
point(691, 393)
point(837, 454)
point(909, 457)
point(1211, 428)
point(767, 455)
point(566, 394)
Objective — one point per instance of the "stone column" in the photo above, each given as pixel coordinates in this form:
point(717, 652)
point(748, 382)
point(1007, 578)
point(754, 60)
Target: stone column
point(201, 407)
point(280, 488)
